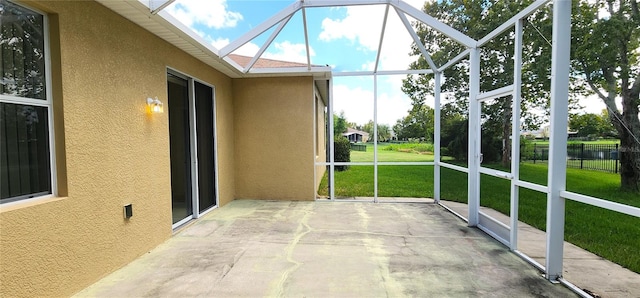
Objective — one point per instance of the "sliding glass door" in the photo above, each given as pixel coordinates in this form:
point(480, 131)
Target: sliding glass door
point(191, 109)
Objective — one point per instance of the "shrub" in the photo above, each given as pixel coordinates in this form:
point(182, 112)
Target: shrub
point(342, 151)
point(454, 136)
point(410, 147)
point(392, 147)
point(526, 149)
point(422, 147)
point(491, 148)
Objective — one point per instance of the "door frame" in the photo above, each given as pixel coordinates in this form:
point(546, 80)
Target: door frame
point(193, 146)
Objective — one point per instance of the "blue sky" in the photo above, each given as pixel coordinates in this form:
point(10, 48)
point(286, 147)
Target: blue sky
point(345, 38)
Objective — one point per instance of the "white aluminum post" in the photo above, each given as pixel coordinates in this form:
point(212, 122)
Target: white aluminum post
point(375, 138)
point(267, 43)
point(436, 139)
point(561, 42)
point(315, 138)
point(332, 159)
point(306, 37)
point(193, 147)
point(416, 39)
point(473, 156)
point(261, 28)
point(515, 134)
point(157, 5)
point(434, 23)
point(384, 26)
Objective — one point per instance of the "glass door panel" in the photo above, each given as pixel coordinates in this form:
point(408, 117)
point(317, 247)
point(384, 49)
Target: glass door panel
point(179, 132)
point(205, 148)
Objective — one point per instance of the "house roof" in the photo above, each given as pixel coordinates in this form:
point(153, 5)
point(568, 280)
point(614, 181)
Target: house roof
point(265, 63)
point(351, 131)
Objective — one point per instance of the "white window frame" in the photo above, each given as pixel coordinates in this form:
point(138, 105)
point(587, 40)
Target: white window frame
point(47, 103)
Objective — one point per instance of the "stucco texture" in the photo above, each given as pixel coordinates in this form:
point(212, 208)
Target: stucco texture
point(273, 121)
point(115, 154)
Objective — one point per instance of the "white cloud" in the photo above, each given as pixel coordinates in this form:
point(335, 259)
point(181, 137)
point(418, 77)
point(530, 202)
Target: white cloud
point(358, 26)
point(368, 66)
point(212, 13)
point(248, 49)
point(357, 104)
point(362, 27)
point(392, 107)
point(285, 51)
point(288, 51)
point(219, 43)
point(394, 54)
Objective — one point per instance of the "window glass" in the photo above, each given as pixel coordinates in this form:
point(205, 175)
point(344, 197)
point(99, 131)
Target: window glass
point(205, 131)
point(24, 151)
point(25, 159)
point(22, 50)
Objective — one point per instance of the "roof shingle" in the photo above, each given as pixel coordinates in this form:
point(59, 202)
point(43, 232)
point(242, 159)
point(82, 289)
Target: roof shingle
point(265, 63)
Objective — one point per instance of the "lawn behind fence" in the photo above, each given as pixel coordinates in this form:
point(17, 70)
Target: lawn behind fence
point(609, 234)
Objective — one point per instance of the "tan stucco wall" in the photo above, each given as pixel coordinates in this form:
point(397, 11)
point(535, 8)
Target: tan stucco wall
point(274, 138)
point(115, 154)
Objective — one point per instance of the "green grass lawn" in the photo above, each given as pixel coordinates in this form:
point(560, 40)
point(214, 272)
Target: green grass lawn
point(389, 155)
point(609, 234)
point(587, 164)
point(594, 164)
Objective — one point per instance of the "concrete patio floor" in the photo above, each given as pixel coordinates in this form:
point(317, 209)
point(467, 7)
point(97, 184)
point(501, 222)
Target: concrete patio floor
point(317, 249)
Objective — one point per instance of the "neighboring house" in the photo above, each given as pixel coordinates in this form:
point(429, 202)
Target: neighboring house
point(356, 136)
point(544, 133)
point(78, 144)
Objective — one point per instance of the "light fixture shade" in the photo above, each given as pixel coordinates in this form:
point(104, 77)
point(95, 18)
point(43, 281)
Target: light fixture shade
point(154, 106)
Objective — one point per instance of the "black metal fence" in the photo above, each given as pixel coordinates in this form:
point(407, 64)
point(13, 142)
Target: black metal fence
point(597, 157)
point(358, 147)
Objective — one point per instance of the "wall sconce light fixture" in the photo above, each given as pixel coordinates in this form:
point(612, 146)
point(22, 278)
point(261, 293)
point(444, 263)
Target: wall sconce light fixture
point(154, 106)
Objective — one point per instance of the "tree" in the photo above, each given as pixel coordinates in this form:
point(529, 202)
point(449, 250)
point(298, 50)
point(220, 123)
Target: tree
point(368, 128)
point(453, 132)
point(339, 124)
point(22, 48)
point(605, 52)
point(418, 124)
point(609, 130)
point(591, 125)
point(454, 136)
point(384, 133)
point(476, 18)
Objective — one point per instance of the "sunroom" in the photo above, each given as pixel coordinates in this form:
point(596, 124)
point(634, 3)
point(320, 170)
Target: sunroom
point(252, 93)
